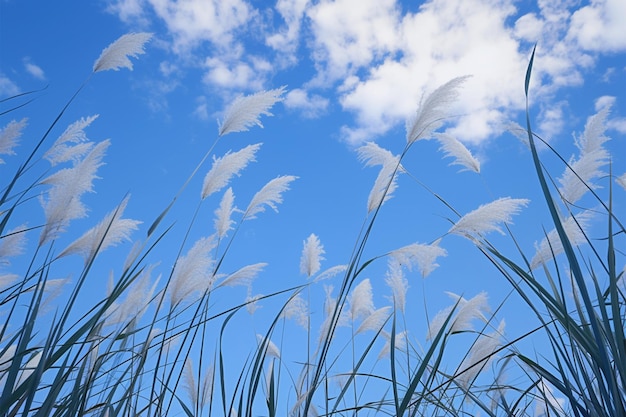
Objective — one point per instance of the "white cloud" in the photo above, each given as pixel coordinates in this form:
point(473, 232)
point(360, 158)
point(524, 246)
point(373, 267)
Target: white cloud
point(600, 26)
point(311, 106)
point(378, 61)
point(34, 70)
point(7, 87)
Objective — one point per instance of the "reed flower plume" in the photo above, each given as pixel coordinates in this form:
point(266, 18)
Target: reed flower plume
point(73, 143)
point(243, 276)
point(12, 243)
point(481, 354)
point(270, 195)
point(297, 309)
point(113, 229)
point(422, 255)
point(433, 110)
point(310, 261)
point(63, 202)
point(193, 272)
point(115, 56)
point(374, 321)
point(551, 245)
point(579, 176)
point(226, 167)
point(621, 180)
point(9, 137)
point(245, 111)
point(136, 302)
point(465, 312)
point(386, 182)
point(487, 217)
point(455, 149)
point(268, 346)
point(400, 343)
point(398, 283)
point(361, 300)
point(223, 214)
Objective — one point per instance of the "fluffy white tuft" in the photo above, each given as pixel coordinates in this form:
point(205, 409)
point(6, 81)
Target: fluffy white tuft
point(115, 56)
point(310, 261)
point(226, 167)
point(245, 111)
point(270, 195)
point(487, 217)
point(9, 136)
point(455, 149)
point(424, 256)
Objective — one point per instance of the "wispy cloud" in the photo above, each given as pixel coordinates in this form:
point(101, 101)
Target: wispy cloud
point(34, 70)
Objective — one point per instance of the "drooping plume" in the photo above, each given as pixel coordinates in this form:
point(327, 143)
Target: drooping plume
point(223, 220)
point(115, 56)
point(245, 111)
point(193, 272)
point(433, 110)
point(386, 182)
point(455, 149)
point(270, 195)
point(487, 217)
point(422, 255)
point(73, 143)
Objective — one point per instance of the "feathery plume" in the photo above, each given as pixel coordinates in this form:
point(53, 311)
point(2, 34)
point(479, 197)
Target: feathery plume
point(466, 311)
point(397, 282)
point(310, 261)
point(243, 276)
point(223, 221)
point(12, 243)
point(480, 356)
point(552, 246)
point(433, 110)
point(375, 320)
point(112, 230)
point(361, 300)
point(9, 136)
point(422, 255)
point(115, 56)
point(386, 182)
point(270, 348)
point(297, 309)
point(73, 143)
point(245, 111)
point(579, 176)
point(189, 381)
point(252, 301)
point(63, 203)
point(486, 218)
point(399, 342)
point(193, 272)
point(270, 195)
point(331, 272)
point(455, 149)
point(137, 300)
point(226, 167)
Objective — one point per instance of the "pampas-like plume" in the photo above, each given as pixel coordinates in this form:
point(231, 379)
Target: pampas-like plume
point(243, 276)
point(245, 111)
point(486, 218)
point(137, 300)
point(12, 243)
point(9, 137)
point(433, 110)
point(270, 195)
point(63, 203)
point(115, 56)
point(72, 144)
point(270, 348)
point(297, 309)
point(223, 221)
point(193, 272)
point(331, 272)
point(581, 172)
point(310, 261)
point(112, 230)
point(375, 320)
point(455, 149)
point(480, 356)
point(386, 182)
point(552, 246)
point(361, 300)
point(226, 167)
point(397, 282)
point(466, 312)
point(422, 255)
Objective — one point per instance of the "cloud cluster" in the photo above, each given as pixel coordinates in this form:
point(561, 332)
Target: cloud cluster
point(377, 58)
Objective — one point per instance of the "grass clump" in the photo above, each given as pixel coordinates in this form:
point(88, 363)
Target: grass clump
point(157, 343)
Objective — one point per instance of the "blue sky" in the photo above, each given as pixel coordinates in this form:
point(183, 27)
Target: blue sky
point(354, 71)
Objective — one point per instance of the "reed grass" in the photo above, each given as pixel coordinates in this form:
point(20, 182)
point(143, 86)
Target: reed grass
point(157, 343)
